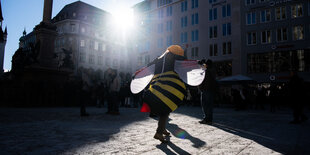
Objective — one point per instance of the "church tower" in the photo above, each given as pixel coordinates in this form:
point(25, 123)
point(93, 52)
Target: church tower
point(3, 37)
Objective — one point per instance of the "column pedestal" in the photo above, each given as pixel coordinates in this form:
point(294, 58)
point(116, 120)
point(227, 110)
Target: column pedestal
point(45, 36)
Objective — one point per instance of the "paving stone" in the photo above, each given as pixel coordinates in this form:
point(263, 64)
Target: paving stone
point(63, 131)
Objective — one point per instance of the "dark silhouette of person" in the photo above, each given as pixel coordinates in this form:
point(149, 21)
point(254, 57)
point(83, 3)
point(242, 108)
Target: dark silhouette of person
point(166, 91)
point(208, 89)
point(297, 93)
point(100, 95)
point(114, 93)
point(127, 95)
point(108, 96)
point(273, 97)
point(237, 99)
point(246, 100)
point(261, 98)
point(85, 96)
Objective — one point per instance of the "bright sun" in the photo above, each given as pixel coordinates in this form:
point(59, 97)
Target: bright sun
point(123, 18)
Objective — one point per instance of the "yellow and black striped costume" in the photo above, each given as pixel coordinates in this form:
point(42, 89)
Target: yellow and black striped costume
point(165, 93)
point(166, 90)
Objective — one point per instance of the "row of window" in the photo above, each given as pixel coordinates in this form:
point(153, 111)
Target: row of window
point(280, 14)
point(278, 61)
point(97, 60)
point(281, 35)
point(226, 30)
point(73, 28)
point(195, 20)
point(184, 21)
point(251, 17)
point(91, 58)
point(168, 12)
point(265, 15)
point(226, 49)
point(184, 5)
point(81, 16)
point(183, 39)
point(213, 50)
point(160, 41)
point(146, 60)
point(251, 2)
point(93, 45)
point(194, 53)
point(163, 2)
point(226, 9)
point(169, 8)
point(160, 26)
point(226, 12)
point(67, 28)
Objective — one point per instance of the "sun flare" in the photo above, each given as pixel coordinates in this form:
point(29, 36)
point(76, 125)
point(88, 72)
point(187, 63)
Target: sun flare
point(123, 18)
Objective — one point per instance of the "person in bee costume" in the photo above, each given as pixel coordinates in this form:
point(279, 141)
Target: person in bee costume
point(165, 78)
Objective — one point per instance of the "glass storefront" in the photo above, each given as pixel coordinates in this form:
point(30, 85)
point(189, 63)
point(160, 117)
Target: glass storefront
point(280, 61)
point(223, 68)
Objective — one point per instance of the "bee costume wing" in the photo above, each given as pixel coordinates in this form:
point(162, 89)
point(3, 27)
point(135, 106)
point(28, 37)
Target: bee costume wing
point(190, 71)
point(142, 79)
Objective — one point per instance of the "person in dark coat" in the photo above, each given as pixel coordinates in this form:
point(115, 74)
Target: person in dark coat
point(85, 97)
point(114, 93)
point(208, 89)
point(297, 93)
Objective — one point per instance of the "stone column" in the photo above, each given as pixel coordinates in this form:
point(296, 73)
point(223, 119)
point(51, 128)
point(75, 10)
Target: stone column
point(45, 37)
point(47, 11)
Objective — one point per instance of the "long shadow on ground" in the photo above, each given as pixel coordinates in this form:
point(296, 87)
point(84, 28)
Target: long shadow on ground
point(183, 134)
point(57, 130)
point(178, 150)
point(271, 130)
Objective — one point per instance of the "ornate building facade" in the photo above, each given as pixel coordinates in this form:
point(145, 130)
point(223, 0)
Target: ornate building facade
point(87, 33)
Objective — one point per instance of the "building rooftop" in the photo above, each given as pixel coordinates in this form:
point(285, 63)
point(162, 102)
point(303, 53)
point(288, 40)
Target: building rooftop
point(81, 8)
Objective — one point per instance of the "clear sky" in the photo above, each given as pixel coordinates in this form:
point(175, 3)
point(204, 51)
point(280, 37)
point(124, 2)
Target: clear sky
point(25, 14)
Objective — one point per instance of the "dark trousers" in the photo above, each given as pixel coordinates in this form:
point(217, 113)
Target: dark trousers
point(207, 99)
point(110, 103)
point(115, 101)
point(162, 123)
